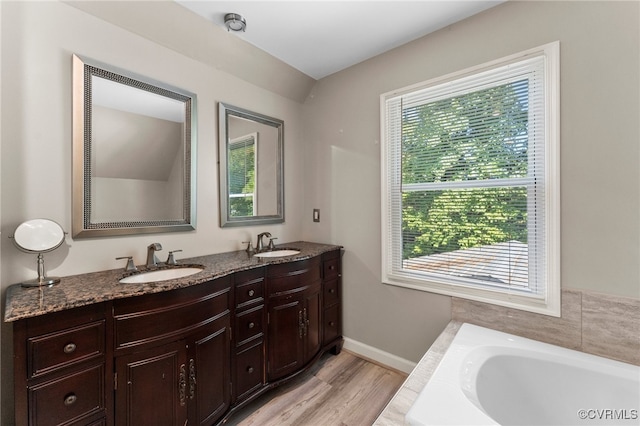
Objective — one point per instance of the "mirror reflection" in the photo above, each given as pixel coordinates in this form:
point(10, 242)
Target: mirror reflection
point(133, 149)
point(251, 168)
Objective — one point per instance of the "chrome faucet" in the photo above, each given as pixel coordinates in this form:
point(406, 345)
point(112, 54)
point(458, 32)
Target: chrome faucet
point(152, 260)
point(259, 243)
point(131, 267)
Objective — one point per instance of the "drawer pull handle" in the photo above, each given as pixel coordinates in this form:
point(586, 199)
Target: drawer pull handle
point(251, 325)
point(333, 290)
point(69, 348)
point(252, 292)
point(70, 399)
point(249, 370)
point(192, 378)
point(182, 385)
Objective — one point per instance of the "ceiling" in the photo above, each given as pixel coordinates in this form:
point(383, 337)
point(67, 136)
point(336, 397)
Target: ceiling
point(320, 38)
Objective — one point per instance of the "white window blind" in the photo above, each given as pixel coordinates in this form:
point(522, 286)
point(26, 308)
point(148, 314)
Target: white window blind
point(470, 190)
point(242, 175)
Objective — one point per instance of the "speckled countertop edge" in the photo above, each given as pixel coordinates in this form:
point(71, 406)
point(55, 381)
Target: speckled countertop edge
point(95, 287)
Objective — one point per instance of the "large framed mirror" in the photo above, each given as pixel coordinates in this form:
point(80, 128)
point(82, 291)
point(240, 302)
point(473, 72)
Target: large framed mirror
point(251, 154)
point(134, 153)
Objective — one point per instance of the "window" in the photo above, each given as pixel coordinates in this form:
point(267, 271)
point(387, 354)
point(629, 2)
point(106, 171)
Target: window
point(470, 183)
point(242, 176)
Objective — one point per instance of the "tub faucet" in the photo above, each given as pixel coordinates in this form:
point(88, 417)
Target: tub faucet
point(259, 243)
point(152, 260)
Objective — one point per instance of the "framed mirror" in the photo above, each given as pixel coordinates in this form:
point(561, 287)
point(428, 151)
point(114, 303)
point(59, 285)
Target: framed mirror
point(251, 153)
point(38, 236)
point(134, 153)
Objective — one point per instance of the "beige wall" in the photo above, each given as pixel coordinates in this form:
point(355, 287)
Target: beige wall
point(599, 155)
point(331, 144)
point(36, 143)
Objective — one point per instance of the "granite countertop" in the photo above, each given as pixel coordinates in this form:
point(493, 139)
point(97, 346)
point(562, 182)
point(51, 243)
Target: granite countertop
point(85, 289)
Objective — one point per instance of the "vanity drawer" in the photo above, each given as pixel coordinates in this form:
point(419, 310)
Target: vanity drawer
point(249, 288)
point(249, 325)
point(249, 370)
point(331, 268)
point(164, 317)
point(63, 348)
point(291, 277)
point(310, 267)
point(331, 296)
point(68, 399)
point(331, 323)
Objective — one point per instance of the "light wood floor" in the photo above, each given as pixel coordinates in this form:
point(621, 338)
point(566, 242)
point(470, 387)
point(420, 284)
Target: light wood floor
point(341, 390)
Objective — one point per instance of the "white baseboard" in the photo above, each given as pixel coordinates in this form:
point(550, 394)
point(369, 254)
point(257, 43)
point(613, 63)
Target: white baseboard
point(378, 356)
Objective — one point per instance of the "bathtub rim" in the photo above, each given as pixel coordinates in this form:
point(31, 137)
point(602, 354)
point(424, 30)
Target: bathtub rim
point(445, 382)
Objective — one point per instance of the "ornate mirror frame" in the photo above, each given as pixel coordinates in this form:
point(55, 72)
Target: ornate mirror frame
point(83, 224)
point(225, 140)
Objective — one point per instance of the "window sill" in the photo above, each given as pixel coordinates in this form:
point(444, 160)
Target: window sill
point(516, 300)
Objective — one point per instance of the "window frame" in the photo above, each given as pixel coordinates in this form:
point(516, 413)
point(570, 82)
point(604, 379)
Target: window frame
point(239, 143)
point(547, 303)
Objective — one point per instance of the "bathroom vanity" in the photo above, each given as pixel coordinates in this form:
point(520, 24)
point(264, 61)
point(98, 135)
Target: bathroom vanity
point(192, 350)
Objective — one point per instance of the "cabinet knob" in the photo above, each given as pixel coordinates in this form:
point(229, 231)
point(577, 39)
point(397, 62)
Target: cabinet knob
point(331, 323)
point(249, 370)
point(251, 293)
point(252, 324)
point(332, 290)
point(70, 399)
point(69, 348)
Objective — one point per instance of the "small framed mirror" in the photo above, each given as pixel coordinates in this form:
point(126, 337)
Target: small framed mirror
point(251, 153)
point(38, 236)
point(134, 153)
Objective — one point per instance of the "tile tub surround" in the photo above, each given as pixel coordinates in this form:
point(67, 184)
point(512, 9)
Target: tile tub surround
point(85, 289)
point(603, 325)
point(599, 324)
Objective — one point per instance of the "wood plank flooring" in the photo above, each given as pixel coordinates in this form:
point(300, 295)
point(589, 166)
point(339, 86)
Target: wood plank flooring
point(341, 390)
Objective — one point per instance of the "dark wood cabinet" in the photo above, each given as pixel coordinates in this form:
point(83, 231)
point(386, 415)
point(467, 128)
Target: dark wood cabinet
point(332, 301)
point(149, 385)
point(183, 382)
point(249, 334)
point(186, 356)
point(60, 367)
point(294, 306)
point(172, 356)
point(208, 374)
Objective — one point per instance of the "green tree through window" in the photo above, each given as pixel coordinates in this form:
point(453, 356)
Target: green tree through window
point(242, 170)
point(470, 183)
point(476, 136)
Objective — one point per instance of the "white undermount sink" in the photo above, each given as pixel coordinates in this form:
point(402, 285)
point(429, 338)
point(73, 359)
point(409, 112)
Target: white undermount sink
point(160, 275)
point(277, 253)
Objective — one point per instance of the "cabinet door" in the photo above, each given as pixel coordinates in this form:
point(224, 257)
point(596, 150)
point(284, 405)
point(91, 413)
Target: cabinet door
point(285, 335)
point(209, 373)
point(311, 315)
point(151, 387)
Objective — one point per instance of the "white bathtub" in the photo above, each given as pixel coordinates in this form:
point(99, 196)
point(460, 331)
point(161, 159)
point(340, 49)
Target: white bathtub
point(487, 377)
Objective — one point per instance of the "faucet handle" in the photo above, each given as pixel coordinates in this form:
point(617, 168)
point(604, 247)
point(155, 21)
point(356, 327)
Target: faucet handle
point(131, 267)
point(271, 245)
point(171, 260)
point(250, 248)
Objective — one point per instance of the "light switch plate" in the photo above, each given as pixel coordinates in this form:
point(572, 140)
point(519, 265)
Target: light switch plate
point(316, 215)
